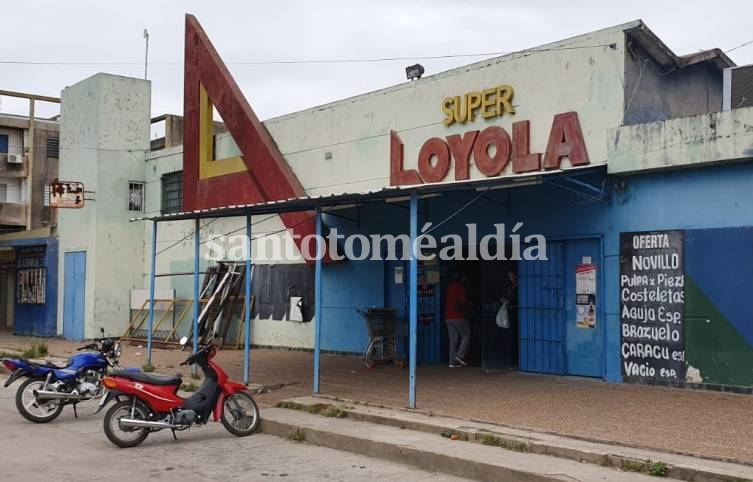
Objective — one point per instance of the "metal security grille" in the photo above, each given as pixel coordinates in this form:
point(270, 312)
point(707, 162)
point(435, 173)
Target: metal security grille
point(172, 192)
point(31, 285)
point(136, 196)
point(3, 193)
point(542, 312)
point(742, 87)
point(53, 147)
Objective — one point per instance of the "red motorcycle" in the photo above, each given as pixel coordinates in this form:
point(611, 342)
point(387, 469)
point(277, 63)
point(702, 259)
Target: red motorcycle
point(149, 403)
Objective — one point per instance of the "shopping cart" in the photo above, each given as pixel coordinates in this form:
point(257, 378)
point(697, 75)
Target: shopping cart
point(382, 324)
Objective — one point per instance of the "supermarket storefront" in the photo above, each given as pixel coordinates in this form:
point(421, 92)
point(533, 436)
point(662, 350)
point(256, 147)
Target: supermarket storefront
point(541, 148)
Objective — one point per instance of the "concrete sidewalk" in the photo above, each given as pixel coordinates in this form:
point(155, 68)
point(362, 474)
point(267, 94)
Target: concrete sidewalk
point(708, 424)
point(432, 452)
point(518, 441)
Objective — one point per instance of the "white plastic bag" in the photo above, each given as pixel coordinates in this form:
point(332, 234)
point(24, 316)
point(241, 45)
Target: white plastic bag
point(503, 321)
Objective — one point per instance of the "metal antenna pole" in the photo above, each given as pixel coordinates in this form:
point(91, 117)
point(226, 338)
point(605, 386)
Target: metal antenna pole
point(146, 51)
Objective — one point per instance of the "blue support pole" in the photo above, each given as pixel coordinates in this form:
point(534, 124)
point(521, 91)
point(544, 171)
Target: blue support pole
point(247, 308)
point(413, 279)
point(317, 300)
point(196, 288)
point(152, 279)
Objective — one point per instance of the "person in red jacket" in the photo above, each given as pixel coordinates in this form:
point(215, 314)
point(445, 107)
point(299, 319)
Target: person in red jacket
point(456, 311)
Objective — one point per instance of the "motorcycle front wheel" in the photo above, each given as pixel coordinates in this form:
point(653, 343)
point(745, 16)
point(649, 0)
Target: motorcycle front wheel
point(125, 437)
point(240, 415)
point(32, 410)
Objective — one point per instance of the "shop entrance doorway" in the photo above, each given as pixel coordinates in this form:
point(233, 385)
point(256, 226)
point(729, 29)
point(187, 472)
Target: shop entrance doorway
point(555, 321)
point(490, 284)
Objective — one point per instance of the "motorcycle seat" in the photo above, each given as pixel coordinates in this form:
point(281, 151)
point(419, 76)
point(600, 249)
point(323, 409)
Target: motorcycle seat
point(147, 378)
point(46, 364)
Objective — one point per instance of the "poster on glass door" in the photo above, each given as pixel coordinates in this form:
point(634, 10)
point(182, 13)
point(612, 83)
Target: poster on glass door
point(585, 295)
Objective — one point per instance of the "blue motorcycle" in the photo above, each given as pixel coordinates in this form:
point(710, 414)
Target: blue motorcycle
point(50, 387)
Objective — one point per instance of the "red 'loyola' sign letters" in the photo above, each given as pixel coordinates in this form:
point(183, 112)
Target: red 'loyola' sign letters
point(437, 156)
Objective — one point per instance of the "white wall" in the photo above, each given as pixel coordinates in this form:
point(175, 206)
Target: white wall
point(581, 74)
point(175, 245)
point(104, 135)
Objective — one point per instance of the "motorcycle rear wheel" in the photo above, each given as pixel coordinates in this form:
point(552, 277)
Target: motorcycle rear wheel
point(121, 437)
point(240, 414)
point(28, 406)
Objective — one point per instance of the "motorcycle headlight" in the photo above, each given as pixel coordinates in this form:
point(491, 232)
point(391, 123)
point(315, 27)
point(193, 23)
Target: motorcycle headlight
point(117, 351)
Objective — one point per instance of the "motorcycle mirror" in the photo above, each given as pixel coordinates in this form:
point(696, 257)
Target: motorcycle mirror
point(183, 341)
point(102, 330)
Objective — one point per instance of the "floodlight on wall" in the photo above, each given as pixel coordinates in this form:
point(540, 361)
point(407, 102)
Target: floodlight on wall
point(414, 72)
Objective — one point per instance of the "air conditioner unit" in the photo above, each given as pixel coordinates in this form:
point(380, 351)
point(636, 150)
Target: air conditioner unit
point(15, 159)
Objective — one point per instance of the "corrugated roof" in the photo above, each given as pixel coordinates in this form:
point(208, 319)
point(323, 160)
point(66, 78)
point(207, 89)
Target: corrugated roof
point(306, 203)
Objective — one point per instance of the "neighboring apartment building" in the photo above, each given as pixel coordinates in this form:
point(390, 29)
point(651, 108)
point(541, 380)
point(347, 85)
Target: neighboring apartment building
point(29, 153)
point(17, 154)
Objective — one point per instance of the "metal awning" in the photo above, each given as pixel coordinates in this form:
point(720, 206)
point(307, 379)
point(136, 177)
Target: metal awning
point(394, 193)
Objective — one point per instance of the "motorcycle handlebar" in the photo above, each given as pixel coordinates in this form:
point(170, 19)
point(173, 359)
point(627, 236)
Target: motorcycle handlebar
point(93, 346)
point(195, 357)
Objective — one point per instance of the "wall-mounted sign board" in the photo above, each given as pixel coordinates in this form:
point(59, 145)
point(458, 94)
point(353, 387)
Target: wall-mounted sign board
point(66, 194)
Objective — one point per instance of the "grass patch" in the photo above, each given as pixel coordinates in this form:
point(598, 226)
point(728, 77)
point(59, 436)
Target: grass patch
point(489, 439)
point(316, 409)
point(148, 367)
point(633, 466)
point(189, 387)
point(297, 435)
point(658, 469)
point(38, 349)
point(333, 411)
point(494, 441)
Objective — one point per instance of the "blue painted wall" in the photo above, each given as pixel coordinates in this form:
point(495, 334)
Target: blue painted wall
point(708, 197)
point(39, 320)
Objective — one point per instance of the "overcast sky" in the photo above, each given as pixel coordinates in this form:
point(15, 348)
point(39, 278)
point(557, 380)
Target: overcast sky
point(243, 31)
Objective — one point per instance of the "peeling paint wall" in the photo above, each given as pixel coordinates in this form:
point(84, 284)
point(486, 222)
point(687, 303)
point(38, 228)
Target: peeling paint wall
point(684, 142)
point(104, 137)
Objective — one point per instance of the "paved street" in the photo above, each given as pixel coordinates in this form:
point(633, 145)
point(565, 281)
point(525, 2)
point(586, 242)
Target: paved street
point(703, 423)
point(70, 449)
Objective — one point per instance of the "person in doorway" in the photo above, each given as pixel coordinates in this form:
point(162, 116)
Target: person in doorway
point(456, 311)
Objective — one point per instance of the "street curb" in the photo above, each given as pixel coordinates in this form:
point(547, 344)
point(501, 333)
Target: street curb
point(602, 455)
point(582, 438)
point(423, 459)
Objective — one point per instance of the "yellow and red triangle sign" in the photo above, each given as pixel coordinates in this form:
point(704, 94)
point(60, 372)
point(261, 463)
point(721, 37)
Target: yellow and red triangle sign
point(261, 173)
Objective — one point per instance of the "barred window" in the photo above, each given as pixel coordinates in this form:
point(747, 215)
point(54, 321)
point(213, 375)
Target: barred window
point(31, 285)
point(172, 192)
point(136, 196)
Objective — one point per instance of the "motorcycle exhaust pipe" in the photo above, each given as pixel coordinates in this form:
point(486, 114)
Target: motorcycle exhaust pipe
point(136, 423)
point(44, 395)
